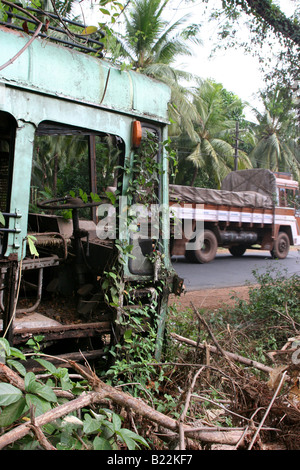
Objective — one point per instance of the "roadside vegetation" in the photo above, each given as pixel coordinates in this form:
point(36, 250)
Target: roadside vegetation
point(229, 377)
point(140, 36)
point(221, 370)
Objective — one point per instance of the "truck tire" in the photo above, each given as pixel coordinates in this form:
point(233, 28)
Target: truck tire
point(281, 246)
point(237, 251)
point(207, 252)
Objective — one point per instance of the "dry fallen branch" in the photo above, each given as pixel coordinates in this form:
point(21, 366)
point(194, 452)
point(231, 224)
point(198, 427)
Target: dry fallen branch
point(267, 411)
point(8, 375)
point(101, 392)
point(217, 345)
point(288, 318)
point(10, 61)
point(48, 417)
point(185, 410)
point(39, 433)
point(206, 434)
point(232, 356)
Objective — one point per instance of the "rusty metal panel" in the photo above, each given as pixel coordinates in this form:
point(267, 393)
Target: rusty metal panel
point(47, 68)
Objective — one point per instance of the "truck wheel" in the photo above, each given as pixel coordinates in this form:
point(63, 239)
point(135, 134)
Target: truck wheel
point(208, 250)
point(281, 246)
point(237, 251)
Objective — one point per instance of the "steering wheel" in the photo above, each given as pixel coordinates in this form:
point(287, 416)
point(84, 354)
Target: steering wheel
point(74, 203)
point(69, 202)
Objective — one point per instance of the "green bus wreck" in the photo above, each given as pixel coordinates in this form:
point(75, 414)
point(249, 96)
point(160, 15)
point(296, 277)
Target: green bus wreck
point(78, 136)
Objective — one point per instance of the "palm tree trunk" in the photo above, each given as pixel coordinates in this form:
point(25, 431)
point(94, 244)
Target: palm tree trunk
point(55, 174)
point(194, 176)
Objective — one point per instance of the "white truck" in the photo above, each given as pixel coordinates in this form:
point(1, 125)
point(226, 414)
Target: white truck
point(254, 209)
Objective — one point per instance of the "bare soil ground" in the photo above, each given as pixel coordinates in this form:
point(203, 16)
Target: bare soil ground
point(211, 298)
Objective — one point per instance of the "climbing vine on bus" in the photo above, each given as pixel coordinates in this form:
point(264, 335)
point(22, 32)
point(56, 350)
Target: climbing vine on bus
point(139, 320)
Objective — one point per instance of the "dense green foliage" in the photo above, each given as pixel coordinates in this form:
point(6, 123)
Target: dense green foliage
point(97, 429)
point(203, 115)
point(256, 326)
point(274, 302)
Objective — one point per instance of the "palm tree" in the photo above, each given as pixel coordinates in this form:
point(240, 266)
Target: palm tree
point(149, 39)
point(276, 146)
point(151, 45)
point(52, 154)
point(213, 151)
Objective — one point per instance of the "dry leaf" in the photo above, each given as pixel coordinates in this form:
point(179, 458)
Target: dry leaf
point(275, 376)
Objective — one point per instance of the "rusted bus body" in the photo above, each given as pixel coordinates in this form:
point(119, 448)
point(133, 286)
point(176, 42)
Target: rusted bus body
point(271, 224)
point(52, 97)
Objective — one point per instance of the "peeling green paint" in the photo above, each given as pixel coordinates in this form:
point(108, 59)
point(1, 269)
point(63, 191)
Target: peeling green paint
point(47, 68)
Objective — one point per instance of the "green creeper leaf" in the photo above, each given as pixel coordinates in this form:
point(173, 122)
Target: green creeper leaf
point(95, 197)
point(4, 347)
point(131, 445)
point(40, 406)
point(12, 412)
point(117, 422)
point(101, 444)
point(65, 381)
point(111, 196)
point(17, 353)
point(43, 391)
point(28, 380)
point(89, 30)
point(33, 251)
point(108, 430)
point(104, 11)
point(9, 394)
point(18, 366)
point(47, 365)
point(127, 335)
point(118, 4)
point(91, 425)
point(131, 439)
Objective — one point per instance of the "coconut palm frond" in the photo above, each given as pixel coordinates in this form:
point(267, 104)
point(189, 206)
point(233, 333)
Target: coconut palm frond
point(196, 157)
point(276, 145)
point(167, 53)
point(289, 162)
point(223, 148)
point(244, 161)
point(152, 45)
point(215, 128)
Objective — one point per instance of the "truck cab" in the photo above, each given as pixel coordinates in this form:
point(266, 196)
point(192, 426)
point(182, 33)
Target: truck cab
point(287, 191)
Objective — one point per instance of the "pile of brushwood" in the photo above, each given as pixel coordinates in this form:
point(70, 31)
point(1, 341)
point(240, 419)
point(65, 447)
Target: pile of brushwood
point(229, 380)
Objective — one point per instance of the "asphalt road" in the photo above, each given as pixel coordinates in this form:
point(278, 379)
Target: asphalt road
point(227, 271)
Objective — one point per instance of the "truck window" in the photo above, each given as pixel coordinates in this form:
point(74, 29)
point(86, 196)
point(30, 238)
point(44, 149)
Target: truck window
point(291, 197)
point(282, 197)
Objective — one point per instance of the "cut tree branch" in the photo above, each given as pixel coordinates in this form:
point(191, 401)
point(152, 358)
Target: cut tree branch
point(103, 391)
point(10, 61)
point(8, 375)
point(232, 356)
